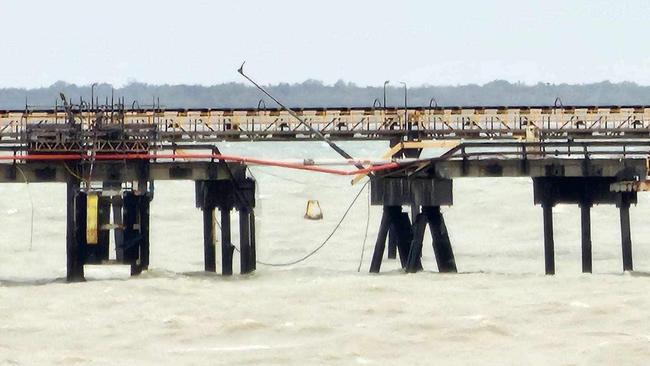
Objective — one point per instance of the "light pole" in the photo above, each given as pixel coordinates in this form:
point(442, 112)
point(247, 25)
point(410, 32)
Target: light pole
point(92, 95)
point(385, 83)
point(405, 105)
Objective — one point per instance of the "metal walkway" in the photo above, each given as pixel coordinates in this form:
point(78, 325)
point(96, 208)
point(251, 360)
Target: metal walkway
point(211, 125)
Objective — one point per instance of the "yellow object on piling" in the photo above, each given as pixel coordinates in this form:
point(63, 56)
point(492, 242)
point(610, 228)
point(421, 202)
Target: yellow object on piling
point(313, 211)
point(91, 218)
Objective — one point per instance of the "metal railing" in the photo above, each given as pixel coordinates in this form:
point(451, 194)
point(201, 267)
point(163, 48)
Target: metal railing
point(347, 123)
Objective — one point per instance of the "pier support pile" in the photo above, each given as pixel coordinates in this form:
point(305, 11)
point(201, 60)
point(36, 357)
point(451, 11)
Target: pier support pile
point(585, 192)
point(226, 195)
point(582, 182)
point(88, 227)
point(424, 196)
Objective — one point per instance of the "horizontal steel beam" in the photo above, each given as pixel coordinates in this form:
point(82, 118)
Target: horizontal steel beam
point(625, 169)
point(116, 171)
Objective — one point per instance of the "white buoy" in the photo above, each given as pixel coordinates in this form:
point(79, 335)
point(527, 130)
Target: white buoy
point(313, 211)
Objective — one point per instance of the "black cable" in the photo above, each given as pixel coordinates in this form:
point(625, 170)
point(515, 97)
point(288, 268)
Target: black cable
point(288, 179)
point(365, 235)
point(232, 179)
point(31, 206)
point(318, 248)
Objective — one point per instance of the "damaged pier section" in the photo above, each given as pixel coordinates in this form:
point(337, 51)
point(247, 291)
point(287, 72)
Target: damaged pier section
point(110, 155)
point(583, 182)
point(117, 201)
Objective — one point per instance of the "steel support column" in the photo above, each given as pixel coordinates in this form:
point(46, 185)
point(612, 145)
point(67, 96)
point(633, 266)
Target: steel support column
point(441, 243)
point(226, 243)
point(75, 231)
point(549, 245)
point(245, 241)
point(414, 263)
point(626, 236)
point(145, 202)
point(380, 244)
point(103, 233)
point(585, 220)
point(209, 252)
point(118, 221)
point(253, 241)
point(392, 244)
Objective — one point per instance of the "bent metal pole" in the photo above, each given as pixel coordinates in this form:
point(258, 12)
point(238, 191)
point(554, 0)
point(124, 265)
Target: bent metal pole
point(295, 115)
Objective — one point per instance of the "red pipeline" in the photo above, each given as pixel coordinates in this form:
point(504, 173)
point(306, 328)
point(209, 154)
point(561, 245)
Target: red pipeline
point(231, 158)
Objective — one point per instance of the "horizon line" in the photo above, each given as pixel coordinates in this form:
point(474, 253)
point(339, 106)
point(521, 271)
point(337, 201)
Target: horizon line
point(321, 83)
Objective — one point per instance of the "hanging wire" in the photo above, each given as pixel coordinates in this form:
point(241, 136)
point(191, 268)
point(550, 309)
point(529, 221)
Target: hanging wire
point(31, 206)
point(81, 179)
point(93, 154)
point(316, 132)
point(365, 235)
point(261, 170)
point(279, 177)
point(322, 245)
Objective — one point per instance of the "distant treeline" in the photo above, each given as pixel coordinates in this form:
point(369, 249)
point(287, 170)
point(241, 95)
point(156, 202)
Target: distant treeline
point(313, 93)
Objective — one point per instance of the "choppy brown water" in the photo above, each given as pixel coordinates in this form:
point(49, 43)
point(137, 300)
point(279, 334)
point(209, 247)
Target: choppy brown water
point(499, 310)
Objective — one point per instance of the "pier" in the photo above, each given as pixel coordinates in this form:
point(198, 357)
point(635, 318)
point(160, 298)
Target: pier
point(110, 156)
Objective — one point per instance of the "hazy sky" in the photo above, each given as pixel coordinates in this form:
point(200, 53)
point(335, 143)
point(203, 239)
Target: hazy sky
point(367, 42)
